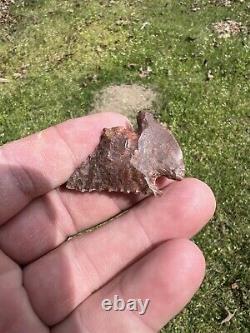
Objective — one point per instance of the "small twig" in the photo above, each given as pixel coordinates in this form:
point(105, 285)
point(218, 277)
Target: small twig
point(228, 317)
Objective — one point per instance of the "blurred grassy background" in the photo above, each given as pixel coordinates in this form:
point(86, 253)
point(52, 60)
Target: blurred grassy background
point(55, 55)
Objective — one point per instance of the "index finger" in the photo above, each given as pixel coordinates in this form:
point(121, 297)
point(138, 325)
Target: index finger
point(34, 165)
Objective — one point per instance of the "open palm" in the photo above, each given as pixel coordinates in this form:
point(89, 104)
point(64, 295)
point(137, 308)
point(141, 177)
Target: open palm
point(48, 284)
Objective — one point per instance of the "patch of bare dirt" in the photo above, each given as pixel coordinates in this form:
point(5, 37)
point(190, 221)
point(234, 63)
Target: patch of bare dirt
point(229, 28)
point(125, 99)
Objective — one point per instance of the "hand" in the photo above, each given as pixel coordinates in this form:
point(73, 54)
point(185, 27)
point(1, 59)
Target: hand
point(48, 284)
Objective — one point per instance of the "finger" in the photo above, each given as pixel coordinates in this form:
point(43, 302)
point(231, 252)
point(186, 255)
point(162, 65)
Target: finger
point(168, 277)
point(38, 163)
point(97, 257)
point(47, 221)
point(16, 314)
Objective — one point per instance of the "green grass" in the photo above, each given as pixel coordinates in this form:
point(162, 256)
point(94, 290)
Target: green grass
point(59, 45)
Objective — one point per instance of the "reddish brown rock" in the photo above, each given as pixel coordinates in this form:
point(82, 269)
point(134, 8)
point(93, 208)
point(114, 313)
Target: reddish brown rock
point(129, 161)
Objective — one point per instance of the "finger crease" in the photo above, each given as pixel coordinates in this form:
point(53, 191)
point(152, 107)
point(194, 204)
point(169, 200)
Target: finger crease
point(66, 144)
point(24, 180)
point(90, 263)
point(137, 218)
point(68, 212)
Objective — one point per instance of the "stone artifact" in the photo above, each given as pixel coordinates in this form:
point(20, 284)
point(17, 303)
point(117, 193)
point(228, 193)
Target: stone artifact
point(130, 161)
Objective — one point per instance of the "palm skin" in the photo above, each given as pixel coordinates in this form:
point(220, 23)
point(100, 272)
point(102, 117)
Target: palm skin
point(49, 285)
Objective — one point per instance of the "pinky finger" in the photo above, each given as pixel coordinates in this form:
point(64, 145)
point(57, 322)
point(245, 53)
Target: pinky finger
point(168, 277)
